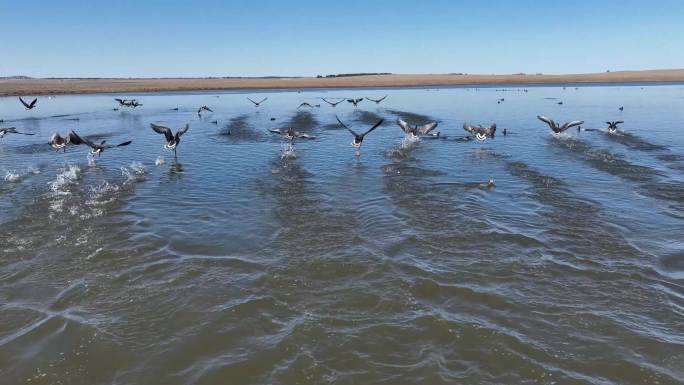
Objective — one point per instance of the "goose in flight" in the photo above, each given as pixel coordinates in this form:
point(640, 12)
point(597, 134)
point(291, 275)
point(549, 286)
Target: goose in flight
point(122, 102)
point(95, 148)
point(332, 103)
point(29, 106)
point(416, 130)
point(58, 142)
point(481, 133)
point(172, 141)
point(358, 138)
point(10, 130)
point(203, 108)
point(355, 102)
point(555, 127)
point(613, 126)
point(377, 101)
point(256, 104)
point(305, 104)
point(291, 134)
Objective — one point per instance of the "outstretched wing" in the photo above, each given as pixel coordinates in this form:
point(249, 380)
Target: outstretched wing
point(374, 127)
point(329, 102)
point(23, 102)
point(425, 128)
point(124, 144)
point(181, 131)
point(574, 123)
point(33, 103)
point(404, 126)
point(163, 130)
point(255, 103)
point(345, 126)
point(470, 128)
point(547, 120)
point(263, 100)
point(276, 131)
point(77, 140)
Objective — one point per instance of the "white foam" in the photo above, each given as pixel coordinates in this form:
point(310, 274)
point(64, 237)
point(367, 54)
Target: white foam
point(159, 161)
point(12, 177)
point(66, 177)
point(288, 151)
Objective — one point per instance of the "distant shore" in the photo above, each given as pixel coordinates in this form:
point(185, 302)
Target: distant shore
point(18, 87)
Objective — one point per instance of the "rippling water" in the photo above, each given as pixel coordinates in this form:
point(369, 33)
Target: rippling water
point(248, 261)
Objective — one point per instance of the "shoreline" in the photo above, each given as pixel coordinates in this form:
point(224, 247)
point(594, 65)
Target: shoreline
point(20, 87)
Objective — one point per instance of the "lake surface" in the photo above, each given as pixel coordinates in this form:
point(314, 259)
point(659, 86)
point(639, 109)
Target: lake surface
point(246, 262)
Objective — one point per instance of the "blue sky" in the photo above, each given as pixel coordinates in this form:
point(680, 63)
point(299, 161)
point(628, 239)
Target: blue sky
point(123, 38)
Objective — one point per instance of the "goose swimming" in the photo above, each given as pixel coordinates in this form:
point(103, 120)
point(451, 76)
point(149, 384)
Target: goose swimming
point(291, 134)
point(172, 141)
point(481, 133)
point(95, 148)
point(355, 102)
point(555, 127)
point(256, 104)
point(29, 106)
point(416, 130)
point(358, 138)
point(10, 130)
point(377, 101)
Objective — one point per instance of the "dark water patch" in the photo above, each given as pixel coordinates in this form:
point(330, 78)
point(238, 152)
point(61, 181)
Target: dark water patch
point(411, 117)
point(608, 162)
point(238, 128)
point(369, 118)
point(632, 141)
point(303, 121)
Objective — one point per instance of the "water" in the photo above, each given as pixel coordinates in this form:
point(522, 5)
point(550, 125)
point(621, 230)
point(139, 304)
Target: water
point(246, 260)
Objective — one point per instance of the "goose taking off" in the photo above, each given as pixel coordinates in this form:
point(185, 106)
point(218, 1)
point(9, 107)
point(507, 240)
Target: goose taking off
point(256, 104)
point(29, 106)
point(58, 142)
point(416, 130)
point(355, 102)
point(358, 138)
point(95, 149)
point(203, 108)
point(122, 102)
point(555, 127)
point(172, 141)
point(481, 133)
point(613, 126)
point(291, 134)
point(333, 103)
point(10, 130)
point(377, 101)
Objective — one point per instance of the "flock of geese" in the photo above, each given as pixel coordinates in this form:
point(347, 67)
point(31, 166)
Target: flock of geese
point(414, 131)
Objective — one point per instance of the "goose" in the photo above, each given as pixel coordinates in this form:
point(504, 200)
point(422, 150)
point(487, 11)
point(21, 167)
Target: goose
point(203, 108)
point(10, 130)
point(291, 134)
point(172, 141)
point(358, 138)
point(481, 133)
point(613, 126)
point(377, 101)
point(416, 130)
point(305, 104)
point(256, 104)
point(333, 103)
point(58, 142)
point(29, 106)
point(355, 102)
point(555, 127)
point(95, 148)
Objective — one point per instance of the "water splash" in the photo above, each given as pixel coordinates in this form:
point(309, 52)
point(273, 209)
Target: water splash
point(12, 177)
point(67, 176)
point(288, 151)
point(133, 173)
point(159, 161)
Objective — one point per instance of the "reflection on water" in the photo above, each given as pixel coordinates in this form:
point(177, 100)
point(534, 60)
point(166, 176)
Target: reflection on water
point(252, 259)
